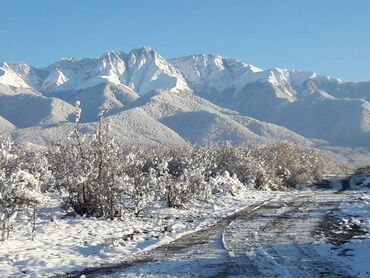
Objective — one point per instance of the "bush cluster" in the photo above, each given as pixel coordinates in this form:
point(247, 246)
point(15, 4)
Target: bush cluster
point(98, 177)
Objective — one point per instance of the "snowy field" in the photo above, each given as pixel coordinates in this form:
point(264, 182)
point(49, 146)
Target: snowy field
point(67, 243)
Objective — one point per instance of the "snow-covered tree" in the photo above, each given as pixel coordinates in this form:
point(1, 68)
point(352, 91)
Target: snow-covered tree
point(87, 168)
point(19, 189)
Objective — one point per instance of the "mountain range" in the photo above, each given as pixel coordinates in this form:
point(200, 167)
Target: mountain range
point(151, 100)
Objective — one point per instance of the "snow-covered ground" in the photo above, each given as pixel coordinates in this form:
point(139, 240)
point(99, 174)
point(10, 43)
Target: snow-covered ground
point(66, 243)
point(286, 234)
point(355, 222)
point(304, 234)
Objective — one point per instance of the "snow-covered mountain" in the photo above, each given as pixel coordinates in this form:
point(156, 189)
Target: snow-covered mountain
point(309, 104)
point(142, 70)
point(198, 98)
point(10, 78)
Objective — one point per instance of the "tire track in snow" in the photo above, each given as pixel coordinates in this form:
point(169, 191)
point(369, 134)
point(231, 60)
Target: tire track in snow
point(270, 240)
point(281, 244)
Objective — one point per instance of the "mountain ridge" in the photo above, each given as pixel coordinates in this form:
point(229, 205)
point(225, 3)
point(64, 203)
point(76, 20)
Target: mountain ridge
point(200, 98)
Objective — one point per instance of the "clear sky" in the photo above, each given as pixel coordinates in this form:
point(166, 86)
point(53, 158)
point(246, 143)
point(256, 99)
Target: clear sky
point(327, 36)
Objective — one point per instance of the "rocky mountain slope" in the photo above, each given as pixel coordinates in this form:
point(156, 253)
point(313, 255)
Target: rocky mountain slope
point(152, 100)
point(311, 105)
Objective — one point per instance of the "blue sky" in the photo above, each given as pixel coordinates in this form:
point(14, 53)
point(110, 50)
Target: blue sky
point(328, 36)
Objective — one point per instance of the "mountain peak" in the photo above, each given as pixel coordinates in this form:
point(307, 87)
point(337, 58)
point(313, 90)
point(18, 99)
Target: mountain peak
point(143, 51)
point(147, 49)
point(69, 59)
point(143, 70)
point(113, 54)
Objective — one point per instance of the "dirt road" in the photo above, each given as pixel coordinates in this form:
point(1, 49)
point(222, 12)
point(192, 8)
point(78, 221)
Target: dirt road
point(287, 238)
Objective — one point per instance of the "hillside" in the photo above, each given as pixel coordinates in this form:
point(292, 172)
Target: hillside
point(200, 98)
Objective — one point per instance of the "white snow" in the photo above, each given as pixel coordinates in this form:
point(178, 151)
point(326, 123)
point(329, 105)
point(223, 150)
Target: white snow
point(355, 253)
point(300, 104)
point(142, 69)
point(66, 243)
point(9, 78)
point(273, 243)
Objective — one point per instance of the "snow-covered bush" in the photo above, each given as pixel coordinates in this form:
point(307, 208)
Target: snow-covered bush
point(275, 167)
point(187, 171)
point(225, 183)
point(360, 180)
point(248, 163)
point(87, 169)
point(140, 184)
point(296, 166)
point(19, 189)
point(100, 178)
point(37, 164)
point(182, 174)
